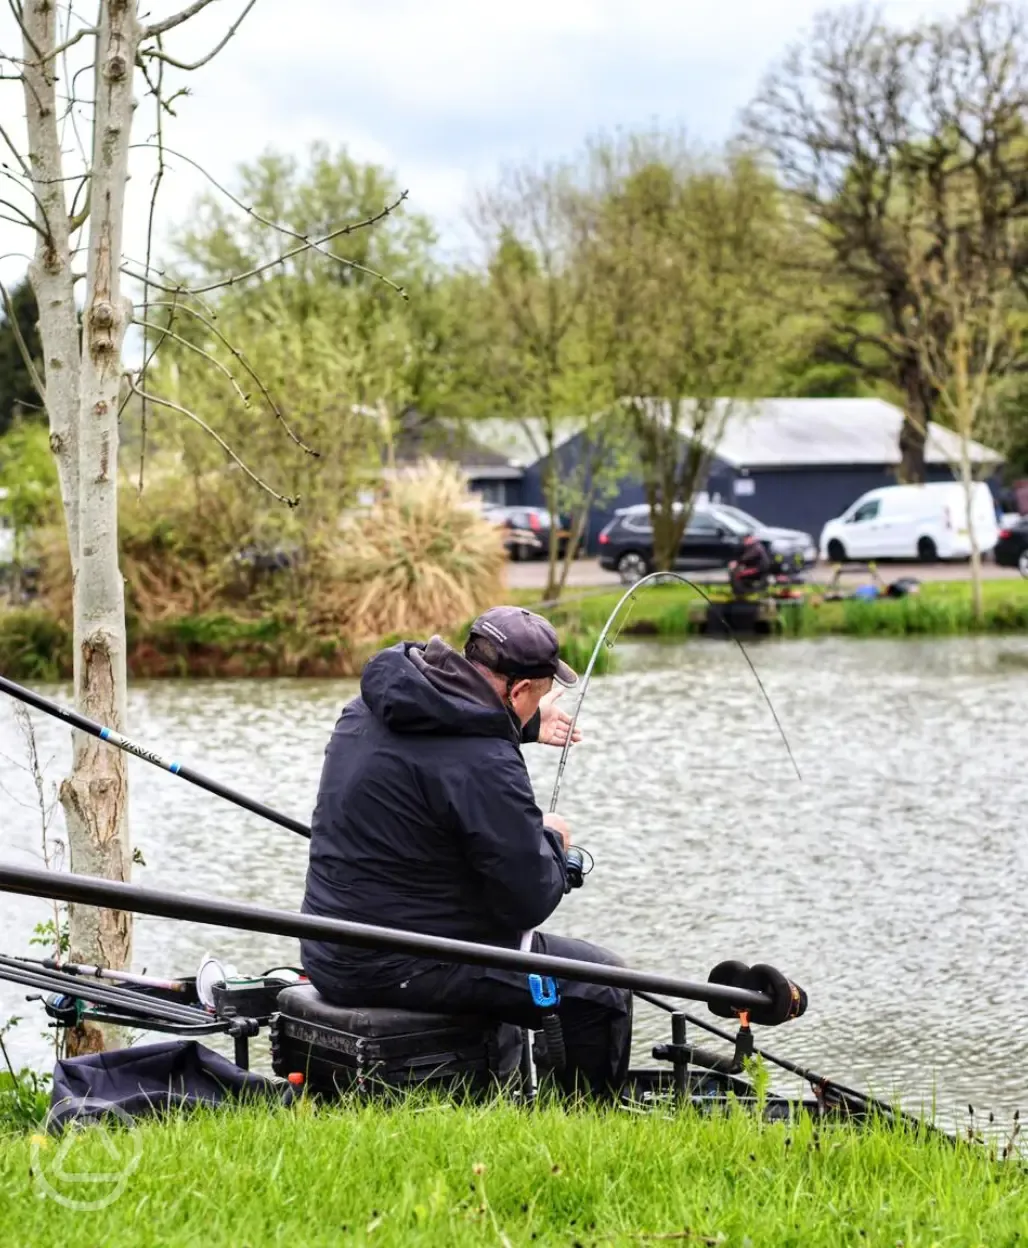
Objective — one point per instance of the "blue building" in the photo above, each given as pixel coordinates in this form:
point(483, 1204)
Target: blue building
point(796, 463)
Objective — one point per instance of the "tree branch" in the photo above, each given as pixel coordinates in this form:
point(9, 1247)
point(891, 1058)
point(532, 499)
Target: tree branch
point(23, 349)
point(167, 332)
point(189, 66)
point(311, 244)
point(279, 415)
point(169, 23)
point(184, 411)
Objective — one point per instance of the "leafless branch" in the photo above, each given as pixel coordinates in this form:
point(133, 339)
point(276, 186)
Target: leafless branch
point(25, 218)
point(161, 55)
point(19, 338)
point(14, 151)
point(70, 43)
point(313, 244)
point(16, 10)
point(155, 89)
point(169, 23)
point(165, 332)
point(184, 411)
point(307, 245)
point(72, 102)
point(279, 415)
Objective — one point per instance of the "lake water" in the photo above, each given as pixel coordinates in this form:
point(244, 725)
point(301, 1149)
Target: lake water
point(890, 881)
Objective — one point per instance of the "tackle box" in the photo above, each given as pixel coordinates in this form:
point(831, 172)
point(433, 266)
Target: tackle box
point(336, 1048)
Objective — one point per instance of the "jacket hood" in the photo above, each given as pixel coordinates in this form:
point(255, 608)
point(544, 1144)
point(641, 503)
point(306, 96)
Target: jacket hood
point(417, 688)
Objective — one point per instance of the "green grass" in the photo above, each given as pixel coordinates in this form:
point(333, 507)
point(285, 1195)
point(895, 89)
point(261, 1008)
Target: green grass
point(942, 608)
point(35, 647)
point(434, 1174)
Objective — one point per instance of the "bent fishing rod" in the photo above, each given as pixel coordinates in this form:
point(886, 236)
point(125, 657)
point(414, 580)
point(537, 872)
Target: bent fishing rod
point(75, 720)
point(628, 595)
point(114, 895)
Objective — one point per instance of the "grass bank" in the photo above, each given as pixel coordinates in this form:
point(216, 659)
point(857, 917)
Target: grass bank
point(35, 646)
point(941, 608)
point(433, 1174)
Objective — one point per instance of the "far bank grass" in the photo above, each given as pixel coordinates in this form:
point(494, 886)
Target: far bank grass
point(439, 1175)
point(941, 608)
point(36, 647)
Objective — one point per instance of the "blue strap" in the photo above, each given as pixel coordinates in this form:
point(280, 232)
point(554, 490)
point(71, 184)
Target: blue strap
point(544, 991)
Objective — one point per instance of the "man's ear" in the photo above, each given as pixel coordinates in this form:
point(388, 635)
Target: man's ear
point(519, 686)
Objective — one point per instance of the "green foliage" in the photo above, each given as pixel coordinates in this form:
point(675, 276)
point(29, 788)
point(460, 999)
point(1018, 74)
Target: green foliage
point(24, 1095)
point(17, 390)
point(29, 475)
point(688, 255)
point(35, 645)
point(431, 1173)
point(319, 349)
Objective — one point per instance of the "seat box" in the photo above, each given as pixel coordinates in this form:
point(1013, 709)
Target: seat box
point(336, 1048)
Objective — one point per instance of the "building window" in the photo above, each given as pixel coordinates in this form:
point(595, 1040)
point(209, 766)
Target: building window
point(492, 493)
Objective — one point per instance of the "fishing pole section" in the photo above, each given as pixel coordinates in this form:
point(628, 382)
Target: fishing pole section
point(328, 1048)
point(80, 722)
point(654, 578)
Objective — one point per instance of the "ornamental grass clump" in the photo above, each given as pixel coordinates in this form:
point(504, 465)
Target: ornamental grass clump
point(421, 560)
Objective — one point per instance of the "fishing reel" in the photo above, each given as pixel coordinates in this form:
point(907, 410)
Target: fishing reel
point(577, 870)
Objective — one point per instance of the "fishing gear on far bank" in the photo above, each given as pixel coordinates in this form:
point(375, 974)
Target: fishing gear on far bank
point(627, 596)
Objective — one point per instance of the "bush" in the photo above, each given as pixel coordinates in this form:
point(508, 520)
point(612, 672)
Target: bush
point(421, 560)
point(34, 645)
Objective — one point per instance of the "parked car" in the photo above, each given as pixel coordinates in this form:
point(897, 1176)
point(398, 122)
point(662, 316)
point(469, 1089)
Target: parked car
point(925, 522)
point(528, 531)
point(712, 539)
point(1011, 549)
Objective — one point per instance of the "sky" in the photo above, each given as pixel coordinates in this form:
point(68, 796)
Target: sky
point(444, 93)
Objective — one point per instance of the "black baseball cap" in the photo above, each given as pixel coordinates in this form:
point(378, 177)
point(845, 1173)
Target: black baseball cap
point(526, 644)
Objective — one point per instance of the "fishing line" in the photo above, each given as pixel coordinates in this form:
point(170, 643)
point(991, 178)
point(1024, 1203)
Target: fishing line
point(629, 595)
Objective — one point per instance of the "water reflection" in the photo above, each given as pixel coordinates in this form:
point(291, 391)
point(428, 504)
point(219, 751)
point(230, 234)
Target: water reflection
point(889, 882)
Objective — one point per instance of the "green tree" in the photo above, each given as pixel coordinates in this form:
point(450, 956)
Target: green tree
point(857, 115)
point(335, 351)
point(531, 346)
point(689, 257)
point(17, 389)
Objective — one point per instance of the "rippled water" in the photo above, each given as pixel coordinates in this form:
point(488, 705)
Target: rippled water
point(889, 882)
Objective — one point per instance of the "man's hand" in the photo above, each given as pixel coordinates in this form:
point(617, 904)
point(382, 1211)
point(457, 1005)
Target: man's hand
point(553, 722)
point(559, 825)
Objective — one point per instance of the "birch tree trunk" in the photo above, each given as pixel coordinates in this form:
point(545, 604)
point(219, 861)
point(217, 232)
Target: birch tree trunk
point(82, 396)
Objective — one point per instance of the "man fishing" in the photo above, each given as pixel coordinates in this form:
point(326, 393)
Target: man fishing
point(426, 821)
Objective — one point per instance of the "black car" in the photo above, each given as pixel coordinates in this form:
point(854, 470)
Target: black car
point(1011, 549)
point(712, 539)
point(528, 531)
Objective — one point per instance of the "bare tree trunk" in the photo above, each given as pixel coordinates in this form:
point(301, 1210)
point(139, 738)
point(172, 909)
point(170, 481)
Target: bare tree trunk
point(82, 394)
point(50, 271)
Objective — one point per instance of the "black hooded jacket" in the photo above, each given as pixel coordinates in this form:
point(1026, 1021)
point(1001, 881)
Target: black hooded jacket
point(426, 819)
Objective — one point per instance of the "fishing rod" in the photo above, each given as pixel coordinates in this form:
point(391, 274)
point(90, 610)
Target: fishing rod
point(650, 579)
point(19, 971)
point(116, 739)
point(101, 972)
point(811, 1077)
point(114, 895)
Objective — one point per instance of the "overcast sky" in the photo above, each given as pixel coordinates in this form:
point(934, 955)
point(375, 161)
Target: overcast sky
point(443, 92)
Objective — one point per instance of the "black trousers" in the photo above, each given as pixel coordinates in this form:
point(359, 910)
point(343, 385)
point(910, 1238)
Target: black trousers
point(596, 1020)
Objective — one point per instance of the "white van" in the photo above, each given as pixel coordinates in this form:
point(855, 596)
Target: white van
point(924, 522)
